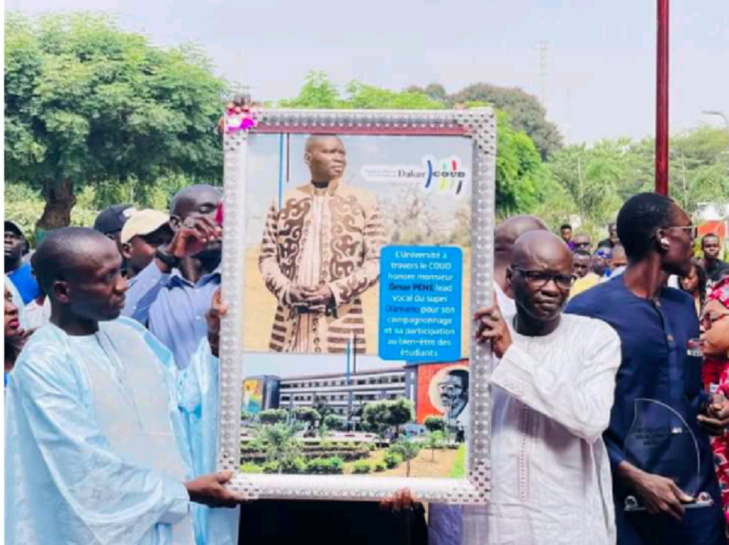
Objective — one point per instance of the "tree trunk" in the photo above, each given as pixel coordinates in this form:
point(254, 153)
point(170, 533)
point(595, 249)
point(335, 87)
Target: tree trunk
point(59, 202)
point(407, 465)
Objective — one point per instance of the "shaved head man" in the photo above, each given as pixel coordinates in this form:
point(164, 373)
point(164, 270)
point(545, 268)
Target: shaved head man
point(505, 236)
point(88, 411)
point(557, 373)
point(318, 286)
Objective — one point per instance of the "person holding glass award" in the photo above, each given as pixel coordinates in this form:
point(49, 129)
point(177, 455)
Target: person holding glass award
point(664, 485)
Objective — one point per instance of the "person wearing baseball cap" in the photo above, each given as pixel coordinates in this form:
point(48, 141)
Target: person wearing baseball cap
point(110, 221)
point(144, 232)
point(19, 273)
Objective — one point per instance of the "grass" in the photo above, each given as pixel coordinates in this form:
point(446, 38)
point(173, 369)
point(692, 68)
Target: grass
point(458, 471)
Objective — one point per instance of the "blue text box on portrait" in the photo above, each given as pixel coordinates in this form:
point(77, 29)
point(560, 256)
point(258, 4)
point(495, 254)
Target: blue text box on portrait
point(420, 303)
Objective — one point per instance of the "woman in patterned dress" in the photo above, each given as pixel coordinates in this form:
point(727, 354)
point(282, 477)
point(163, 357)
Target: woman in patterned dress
point(715, 323)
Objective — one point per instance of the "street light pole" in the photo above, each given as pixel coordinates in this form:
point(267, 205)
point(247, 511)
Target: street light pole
point(726, 123)
point(662, 81)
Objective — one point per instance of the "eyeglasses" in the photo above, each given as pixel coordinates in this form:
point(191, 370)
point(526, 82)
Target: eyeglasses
point(541, 278)
point(692, 230)
point(603, 253)
point(711, 317)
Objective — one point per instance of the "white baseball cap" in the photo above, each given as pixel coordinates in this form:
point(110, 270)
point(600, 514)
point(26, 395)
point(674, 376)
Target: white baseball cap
point(143, 222)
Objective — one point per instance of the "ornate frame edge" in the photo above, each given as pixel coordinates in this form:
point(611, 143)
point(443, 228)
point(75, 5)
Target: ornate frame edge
point(480, 125)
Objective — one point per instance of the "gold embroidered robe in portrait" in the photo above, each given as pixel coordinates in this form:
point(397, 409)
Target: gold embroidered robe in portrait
point(322, 237)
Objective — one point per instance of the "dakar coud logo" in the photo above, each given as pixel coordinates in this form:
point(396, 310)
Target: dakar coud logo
point(433, 174)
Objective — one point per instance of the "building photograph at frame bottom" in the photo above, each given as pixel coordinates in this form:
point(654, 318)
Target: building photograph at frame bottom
point(354, 414)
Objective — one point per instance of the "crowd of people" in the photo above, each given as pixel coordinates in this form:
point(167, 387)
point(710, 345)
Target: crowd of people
point(111, 368)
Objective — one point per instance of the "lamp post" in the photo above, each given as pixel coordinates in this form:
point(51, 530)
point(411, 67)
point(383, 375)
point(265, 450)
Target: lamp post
point(662, 81)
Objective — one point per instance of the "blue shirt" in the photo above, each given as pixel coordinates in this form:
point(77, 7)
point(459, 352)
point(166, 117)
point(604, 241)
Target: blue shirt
point(655, 365)
point(74, 443)
point(199, 399)
point(172, 307)
point(25, 282)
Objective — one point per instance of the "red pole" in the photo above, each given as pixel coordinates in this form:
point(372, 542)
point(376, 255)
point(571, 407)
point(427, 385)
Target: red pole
point(662, 99)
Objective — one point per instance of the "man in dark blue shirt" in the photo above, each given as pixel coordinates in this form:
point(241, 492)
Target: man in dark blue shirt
point(654, 324)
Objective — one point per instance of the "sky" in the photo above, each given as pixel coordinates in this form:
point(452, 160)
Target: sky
point(600, 62)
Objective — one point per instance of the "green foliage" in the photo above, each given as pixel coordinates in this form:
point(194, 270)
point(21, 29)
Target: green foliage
point(459, 466)
point(271, 467)
point(434, 440)
point(335, 422)
point(593, 182)
point(392, 460)
point(273, 416)
point(379, 467)
point(400, 412)
point(281, 445)
point(307, 415)
point(375, 417)
point(361, 467)
point(86, 102)
point(406, 448)
point(434, 423)
point(253, 468)
point(325, 466)
point(380, 416)
point(519, 169)
point(525, 112)
point(319, 92)
point(293, 466)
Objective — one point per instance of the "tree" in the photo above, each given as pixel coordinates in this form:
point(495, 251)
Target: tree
point(319, 92)
point(399, 413)
point(86, 103)
point(376, 418)
point(320, 405)
point(434, 440)
point(307, 415)
point(434, 423)
point(406, 448)
point(526, 113)
point(281, 445)
point(519, 170)
point(335, 422)
point(273, 416)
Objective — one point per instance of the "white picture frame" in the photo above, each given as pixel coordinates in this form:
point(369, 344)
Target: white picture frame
point(479, 125)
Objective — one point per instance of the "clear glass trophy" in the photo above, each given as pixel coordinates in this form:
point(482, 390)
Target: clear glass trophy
point(661, 442)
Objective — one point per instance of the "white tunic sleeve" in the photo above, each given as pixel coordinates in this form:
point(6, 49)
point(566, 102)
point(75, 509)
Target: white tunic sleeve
point(575, 390)
point(61, 468)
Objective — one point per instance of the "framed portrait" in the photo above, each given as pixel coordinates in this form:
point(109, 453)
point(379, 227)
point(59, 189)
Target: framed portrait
point(356, 246)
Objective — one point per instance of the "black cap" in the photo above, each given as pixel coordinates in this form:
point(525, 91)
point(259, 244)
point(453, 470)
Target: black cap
point(11, 225)
point(112, 219)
